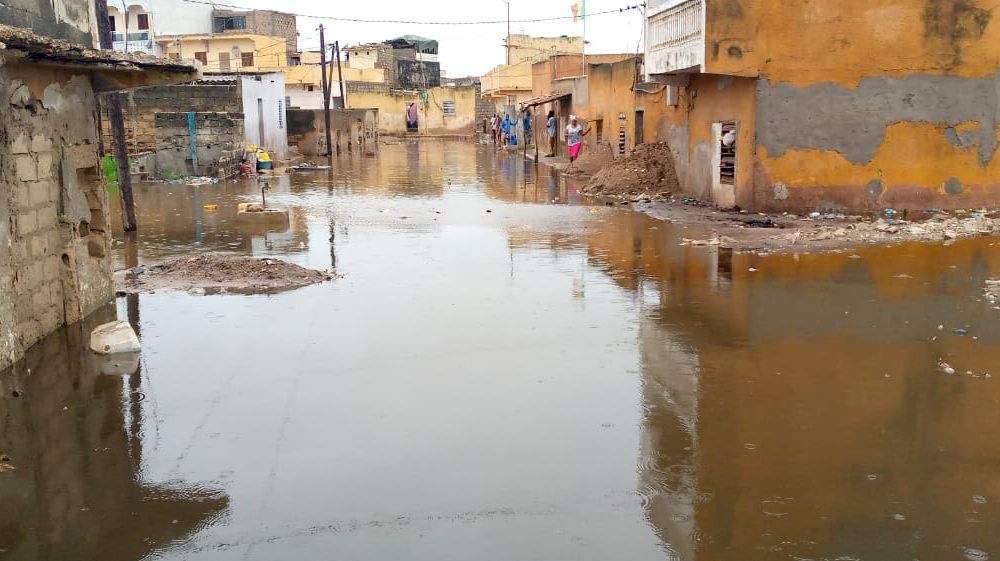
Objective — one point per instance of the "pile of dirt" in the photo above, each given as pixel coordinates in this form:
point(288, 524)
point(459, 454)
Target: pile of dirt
point(646, 172)
point(221, 273)
point(592, 160)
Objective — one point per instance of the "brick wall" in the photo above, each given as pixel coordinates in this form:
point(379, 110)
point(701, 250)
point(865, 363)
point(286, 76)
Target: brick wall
point(266, 22)
point(485, 109)
point(387, 61)
point(364, 87)
point(54, 267)
point(143, 105)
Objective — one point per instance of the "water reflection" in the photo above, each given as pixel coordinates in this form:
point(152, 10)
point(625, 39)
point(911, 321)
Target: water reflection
point(77, 490)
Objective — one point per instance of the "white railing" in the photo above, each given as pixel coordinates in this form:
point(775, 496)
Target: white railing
point(676, 26)
point(139, 41)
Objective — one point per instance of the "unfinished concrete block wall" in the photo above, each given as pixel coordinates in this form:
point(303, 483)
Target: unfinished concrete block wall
point(218, 141)
point(144, 103)
point(485, 109)
point(54, 238)
point(350, 129)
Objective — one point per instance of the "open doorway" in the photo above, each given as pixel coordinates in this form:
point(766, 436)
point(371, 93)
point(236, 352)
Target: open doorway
point(725, 138)
point(639, 138)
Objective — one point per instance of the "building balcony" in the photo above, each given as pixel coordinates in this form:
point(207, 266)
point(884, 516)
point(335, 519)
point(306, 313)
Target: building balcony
point(675, 32)
point(136, 42)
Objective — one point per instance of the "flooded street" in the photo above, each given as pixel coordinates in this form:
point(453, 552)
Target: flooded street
point(505, 372)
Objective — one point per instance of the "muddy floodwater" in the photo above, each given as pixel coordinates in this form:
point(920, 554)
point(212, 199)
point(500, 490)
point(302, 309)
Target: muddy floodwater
point(503, 371)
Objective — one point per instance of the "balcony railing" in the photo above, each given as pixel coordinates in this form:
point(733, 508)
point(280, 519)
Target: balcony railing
point(676, 26)
point(675, 37)
point(139, 41)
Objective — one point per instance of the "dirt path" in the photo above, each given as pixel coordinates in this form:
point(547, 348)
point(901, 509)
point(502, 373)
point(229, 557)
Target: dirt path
point(218, 273)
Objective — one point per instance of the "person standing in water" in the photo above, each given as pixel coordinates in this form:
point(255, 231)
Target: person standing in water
point(574, 137)
point(550, 125)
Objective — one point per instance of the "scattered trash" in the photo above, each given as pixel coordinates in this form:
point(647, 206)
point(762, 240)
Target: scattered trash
point(959, 331)
point(752, 270)
point(890, 212)
point(945, 367)
point(137, 270)
point(6, 458)
point(940, 327)
point(899, 517)
point(814, 215)
point(309, 166)
point(211, 208)
point(17, 393)
point(114, 337)
point(201, 180)
point(196, 291)
point(4, 467)
point(488, 210)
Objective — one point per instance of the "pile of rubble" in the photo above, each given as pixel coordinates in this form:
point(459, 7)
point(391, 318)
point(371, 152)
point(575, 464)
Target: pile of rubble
point(857, 230)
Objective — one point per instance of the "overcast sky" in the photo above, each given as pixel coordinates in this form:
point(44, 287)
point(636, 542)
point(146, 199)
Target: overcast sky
point(463, 49)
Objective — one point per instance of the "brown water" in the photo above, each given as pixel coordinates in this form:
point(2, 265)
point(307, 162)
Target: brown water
point(543, 381)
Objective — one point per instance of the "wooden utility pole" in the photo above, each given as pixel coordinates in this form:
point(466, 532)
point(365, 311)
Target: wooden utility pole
point(326, 94)
point(117, 121)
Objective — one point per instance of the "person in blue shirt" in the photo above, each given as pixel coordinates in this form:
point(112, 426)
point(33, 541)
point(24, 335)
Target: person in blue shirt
point(527, 126)
point(506, 125)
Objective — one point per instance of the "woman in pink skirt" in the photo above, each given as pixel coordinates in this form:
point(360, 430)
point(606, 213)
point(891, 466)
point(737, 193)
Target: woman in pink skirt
point(574, 137)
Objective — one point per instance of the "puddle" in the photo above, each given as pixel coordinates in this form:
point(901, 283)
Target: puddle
point(539, 380)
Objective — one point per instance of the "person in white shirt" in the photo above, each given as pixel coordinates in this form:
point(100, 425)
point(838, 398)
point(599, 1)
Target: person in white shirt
point(574, 137)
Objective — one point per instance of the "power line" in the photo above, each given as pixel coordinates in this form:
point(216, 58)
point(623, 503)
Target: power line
point(486, 22)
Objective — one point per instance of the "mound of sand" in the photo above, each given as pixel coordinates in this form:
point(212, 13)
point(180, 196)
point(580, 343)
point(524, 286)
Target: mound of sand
point(214, 272)
point(649, 169)
point(592, 160)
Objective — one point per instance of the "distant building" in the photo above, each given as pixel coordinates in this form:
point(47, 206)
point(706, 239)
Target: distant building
point(258, 22)
point(138, 25)
point(509, 84)
point(146, 19)
point(228, 52)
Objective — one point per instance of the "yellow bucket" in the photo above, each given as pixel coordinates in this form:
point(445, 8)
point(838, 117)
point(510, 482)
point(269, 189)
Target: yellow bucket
point(211, 207)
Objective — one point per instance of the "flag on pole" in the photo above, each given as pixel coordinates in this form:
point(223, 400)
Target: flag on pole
point(579, 9)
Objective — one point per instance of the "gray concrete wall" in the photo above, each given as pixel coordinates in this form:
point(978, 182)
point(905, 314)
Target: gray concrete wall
point(218, 143)
point(853, 122)
point(349, 128)
point(54, 265)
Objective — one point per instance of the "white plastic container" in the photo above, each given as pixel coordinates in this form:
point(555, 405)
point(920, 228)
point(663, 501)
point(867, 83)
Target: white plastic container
point(114, 337)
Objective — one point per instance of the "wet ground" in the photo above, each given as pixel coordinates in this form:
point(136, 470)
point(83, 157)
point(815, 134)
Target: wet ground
point(498, 376)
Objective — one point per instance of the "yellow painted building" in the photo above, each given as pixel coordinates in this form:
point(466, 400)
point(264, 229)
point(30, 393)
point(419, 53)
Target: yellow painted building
point(444, 110)
point(511, 83)
point(863, 107)
point(228, 52)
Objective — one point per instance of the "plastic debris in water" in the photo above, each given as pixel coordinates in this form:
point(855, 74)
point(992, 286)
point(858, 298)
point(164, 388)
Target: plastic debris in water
point(959, 331)
point(945, 367)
